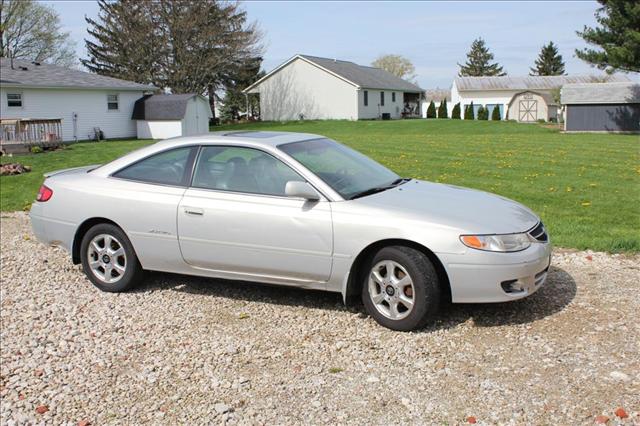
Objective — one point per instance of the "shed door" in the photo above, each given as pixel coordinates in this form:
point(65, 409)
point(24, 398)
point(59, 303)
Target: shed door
point(528, 110)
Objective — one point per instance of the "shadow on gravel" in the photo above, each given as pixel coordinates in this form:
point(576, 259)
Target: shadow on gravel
point(553, 297)
point(558, 291)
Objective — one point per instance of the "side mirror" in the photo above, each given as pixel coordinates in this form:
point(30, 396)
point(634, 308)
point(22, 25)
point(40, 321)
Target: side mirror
point(299, 189)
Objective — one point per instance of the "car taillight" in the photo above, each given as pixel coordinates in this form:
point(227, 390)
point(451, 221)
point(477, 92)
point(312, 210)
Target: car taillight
point(44, 194)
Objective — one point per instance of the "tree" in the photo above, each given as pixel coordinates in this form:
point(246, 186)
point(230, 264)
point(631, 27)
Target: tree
point(455, 112)
point(495, 114)
point(479, 62)
point(397, 65)
point(431, 110)
point(181, 46)
point(31, 31)
point(235, 101)
point(468, 112)
point(549, 61)
point(618, 37)
point(483, 113)
point(442, 109)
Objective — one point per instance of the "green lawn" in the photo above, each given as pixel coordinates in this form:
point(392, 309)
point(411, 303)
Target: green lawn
point(586, 187)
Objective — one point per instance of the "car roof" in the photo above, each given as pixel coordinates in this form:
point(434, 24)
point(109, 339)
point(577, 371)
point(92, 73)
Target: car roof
point(240, 137)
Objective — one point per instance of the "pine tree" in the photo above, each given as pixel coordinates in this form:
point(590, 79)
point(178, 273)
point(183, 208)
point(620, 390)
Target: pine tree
point(182, 46)
point(442, 109)
point(549, 61)
point(618, 37)
point(468, 112)
point(431, 110)
point(483, 113)
point(479, 62)
point(455, 112)
point(495, 114)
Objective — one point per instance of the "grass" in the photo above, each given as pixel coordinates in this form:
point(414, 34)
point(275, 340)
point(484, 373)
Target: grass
point(586, 187)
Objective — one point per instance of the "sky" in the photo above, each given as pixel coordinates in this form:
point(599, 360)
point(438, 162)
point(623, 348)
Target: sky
point(435, 36)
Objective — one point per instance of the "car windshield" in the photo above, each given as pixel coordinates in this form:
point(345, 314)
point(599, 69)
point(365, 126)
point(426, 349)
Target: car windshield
point(348, 172)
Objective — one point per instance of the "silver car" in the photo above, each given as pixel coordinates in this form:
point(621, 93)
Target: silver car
point(293, 209)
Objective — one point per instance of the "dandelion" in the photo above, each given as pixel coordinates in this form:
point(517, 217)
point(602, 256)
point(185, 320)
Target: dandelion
point(586, 203)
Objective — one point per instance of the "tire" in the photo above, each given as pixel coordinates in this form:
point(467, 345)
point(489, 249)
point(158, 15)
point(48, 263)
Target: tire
point(386, 297)
point(108, 259)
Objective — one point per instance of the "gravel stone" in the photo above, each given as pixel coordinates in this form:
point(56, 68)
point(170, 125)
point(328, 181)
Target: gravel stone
point(178, 351)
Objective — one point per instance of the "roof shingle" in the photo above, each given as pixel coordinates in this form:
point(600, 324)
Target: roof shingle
point(161, 107)
point(363, 76)
point(600, 93)
point(29, 74)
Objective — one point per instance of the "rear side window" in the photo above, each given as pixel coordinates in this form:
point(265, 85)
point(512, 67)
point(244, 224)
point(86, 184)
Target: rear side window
point(165, 168)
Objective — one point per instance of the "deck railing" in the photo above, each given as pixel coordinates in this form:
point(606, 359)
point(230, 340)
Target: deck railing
point(30, 132)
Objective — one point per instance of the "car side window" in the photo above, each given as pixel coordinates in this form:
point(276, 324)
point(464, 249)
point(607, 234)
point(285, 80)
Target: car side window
point(241, 169)
point(166, 168)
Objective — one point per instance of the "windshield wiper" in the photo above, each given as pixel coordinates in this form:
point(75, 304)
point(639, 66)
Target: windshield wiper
point(377, 189)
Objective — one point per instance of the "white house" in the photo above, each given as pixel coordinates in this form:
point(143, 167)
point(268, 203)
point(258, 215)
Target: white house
point(82, 101)
point(167, 116)
point(309, 87)
point(436, 96)
point(524, 99)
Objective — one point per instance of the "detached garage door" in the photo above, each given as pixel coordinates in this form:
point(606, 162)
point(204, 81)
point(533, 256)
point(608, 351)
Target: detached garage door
point(611, 118)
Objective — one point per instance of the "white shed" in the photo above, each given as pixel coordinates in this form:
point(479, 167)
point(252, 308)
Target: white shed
point(168, 116)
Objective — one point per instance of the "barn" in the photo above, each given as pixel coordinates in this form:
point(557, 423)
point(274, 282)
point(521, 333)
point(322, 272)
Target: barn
point(526, 99)
point(601, 107)
point(167, 116)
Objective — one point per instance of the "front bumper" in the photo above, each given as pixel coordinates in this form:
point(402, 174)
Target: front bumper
point(478, 277)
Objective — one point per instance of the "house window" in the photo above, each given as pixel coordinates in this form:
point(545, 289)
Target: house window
point(14, 100)
point(112, 102)
point(381, 98)
point(366, 98)
point(393, 97)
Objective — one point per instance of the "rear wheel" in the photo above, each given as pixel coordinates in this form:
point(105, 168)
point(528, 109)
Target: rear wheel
point(108, 259)
point(401, 290)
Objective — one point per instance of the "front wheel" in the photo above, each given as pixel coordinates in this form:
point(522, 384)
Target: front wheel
point(108, 259)
point(401, 290)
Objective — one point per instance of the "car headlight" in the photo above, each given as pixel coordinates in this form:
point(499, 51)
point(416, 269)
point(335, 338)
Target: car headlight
point(500, 243)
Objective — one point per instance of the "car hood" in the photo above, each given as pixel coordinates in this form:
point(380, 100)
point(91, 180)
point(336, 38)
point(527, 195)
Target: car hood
point(468, 210)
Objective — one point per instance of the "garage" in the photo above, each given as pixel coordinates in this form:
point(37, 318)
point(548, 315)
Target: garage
point(602, 107)
point(168, 116)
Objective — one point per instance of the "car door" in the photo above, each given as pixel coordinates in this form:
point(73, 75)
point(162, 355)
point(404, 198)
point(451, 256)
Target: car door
point(236, 218)
point(143, 198)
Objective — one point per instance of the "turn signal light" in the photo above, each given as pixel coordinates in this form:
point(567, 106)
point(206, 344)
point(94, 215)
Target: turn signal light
point(472, 241)
point(44, 194)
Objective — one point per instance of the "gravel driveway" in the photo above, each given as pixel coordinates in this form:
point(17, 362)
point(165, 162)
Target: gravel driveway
point(185, 349)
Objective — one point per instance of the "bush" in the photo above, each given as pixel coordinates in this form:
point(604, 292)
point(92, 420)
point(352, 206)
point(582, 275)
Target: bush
point(455, 112)
point(442, 109)
point(483, 113)
point(542, 120)
point(495, 114)
point(36, 149)
point(431, 111)
point(468, 112)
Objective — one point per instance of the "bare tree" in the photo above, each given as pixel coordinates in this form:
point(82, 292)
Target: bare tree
point(32, 31)
point(397, 65)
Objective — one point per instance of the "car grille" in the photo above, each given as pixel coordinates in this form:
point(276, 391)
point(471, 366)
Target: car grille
point(539, 233)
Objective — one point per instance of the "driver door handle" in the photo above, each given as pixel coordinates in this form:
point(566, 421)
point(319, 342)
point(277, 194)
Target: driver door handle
point(194, 211)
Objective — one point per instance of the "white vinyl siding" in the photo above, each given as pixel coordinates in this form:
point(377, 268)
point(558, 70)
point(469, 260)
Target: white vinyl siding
point(301, 90)
point(89, 107)
point(374, 109)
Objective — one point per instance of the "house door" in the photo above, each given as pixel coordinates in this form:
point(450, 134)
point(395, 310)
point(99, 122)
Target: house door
point(528, 110)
